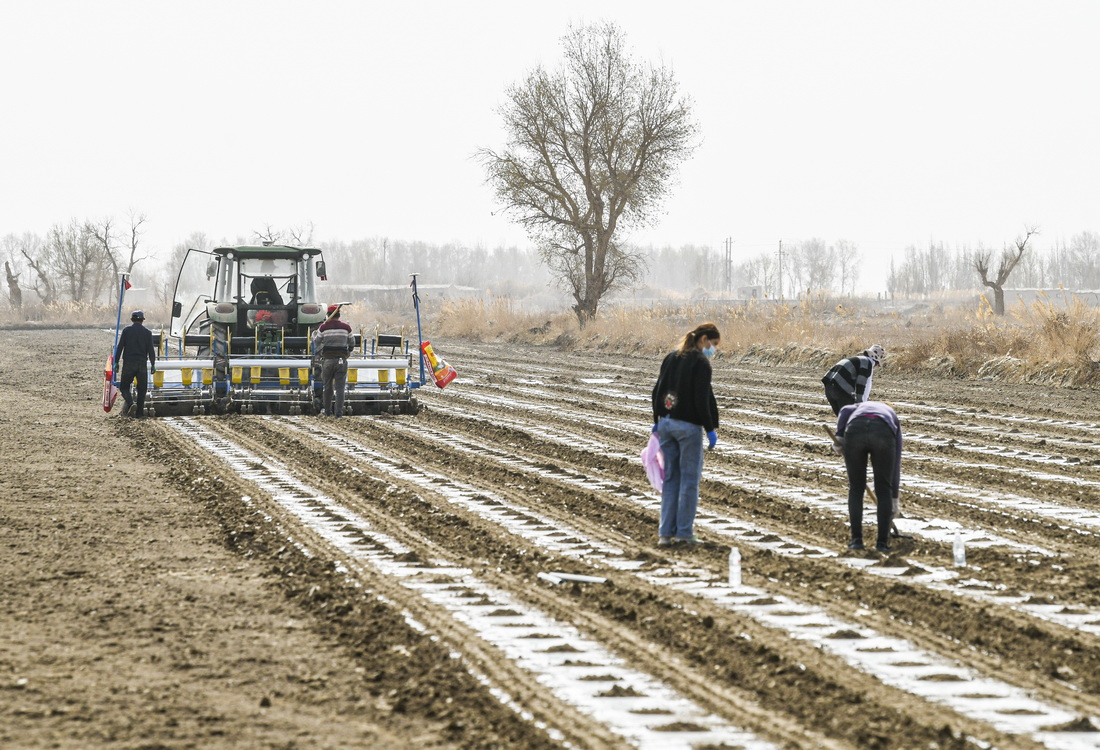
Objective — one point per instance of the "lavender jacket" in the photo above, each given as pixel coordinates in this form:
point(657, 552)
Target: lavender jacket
point(875, 410)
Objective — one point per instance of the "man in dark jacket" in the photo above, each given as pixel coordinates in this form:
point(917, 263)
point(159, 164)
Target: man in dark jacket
point(333, 343)
point(135, 345)
point(849, 380)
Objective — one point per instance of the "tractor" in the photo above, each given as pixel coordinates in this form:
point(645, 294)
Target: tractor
point(240, 340)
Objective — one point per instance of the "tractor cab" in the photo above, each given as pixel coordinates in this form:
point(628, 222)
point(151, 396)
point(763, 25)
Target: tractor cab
point(264, 296)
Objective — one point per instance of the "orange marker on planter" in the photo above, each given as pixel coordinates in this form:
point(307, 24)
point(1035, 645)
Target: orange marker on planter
point(442, 372)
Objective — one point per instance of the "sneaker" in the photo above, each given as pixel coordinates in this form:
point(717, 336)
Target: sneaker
point(691, 541)
point(664, 541)
point(132, 410)
point(856, 544)
point(883, 548)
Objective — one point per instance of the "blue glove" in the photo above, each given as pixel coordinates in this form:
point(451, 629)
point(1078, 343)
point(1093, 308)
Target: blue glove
point(712, 438)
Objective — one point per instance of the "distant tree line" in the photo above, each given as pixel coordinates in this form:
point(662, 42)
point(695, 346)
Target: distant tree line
point(789, 270)
point(1072, 264)
point(79, 262)
point(76, 261)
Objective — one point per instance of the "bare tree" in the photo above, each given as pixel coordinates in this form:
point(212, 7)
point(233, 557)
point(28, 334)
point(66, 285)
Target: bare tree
point(137, 220)
point(819, 263)
point(1009, 259)
point(9, 247)
point(268, 235)
point(15, 294)
point(592, 149)
point(119, 257)
point(75, 257)
point(301, 236)
point(1084, 249)
point(848, 260)
point(568, 262)
point(760, 270)
point(43, 285)
point(295, 235)
point(103, 232)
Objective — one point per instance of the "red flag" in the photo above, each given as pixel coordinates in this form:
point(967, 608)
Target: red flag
point(125, 283)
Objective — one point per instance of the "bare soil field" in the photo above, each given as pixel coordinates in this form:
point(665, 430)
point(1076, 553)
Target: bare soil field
point(485, 574)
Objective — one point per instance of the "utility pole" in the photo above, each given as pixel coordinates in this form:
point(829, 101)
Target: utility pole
point(729, 265)
point(779, 255)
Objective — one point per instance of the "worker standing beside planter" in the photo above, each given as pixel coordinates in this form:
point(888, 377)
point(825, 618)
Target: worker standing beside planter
point(333, 342)
point(135, 346)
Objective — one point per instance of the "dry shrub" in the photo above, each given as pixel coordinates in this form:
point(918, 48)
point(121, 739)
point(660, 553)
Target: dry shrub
point(495, 320)
point(62, 315)
point(1069, 333)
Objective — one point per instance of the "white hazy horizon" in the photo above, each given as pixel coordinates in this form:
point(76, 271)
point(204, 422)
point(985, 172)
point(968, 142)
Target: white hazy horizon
point(884, 124)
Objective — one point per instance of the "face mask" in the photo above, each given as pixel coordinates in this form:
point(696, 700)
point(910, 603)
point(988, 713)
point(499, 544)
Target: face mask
point(709, 351)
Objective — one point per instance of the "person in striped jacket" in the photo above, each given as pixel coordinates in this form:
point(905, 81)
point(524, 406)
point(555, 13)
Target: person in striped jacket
point(849, 380)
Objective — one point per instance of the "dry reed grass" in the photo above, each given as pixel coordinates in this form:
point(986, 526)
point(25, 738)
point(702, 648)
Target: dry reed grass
point(1044, 342)
point(59, 315)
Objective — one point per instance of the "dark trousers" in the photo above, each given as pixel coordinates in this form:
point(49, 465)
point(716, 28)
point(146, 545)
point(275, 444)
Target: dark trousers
point(132, 371)
point(334, 374)
point(838, 397)
point(870, 437)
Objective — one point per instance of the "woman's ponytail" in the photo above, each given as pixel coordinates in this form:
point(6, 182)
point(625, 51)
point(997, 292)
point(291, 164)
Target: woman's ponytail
point(691, 338)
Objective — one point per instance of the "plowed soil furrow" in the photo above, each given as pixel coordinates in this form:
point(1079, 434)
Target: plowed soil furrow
point(762, 459)
point(942, 606)
point(376, 504)
point(461, 534)
point(452, 466)
point(433, 553)
point(794, 465)
point(794, 515)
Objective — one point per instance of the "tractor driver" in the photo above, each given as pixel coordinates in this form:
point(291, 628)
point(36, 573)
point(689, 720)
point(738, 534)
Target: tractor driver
point(135, 345)
point(265, 294)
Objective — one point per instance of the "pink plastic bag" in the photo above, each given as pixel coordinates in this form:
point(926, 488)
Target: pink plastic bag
point(654, 462)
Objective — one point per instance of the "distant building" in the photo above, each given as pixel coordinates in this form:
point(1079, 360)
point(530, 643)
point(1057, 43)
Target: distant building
point(1060, 296)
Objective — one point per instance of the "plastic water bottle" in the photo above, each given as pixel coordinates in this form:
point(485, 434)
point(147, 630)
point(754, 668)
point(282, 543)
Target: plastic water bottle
point(959, 550)
point(735, 568)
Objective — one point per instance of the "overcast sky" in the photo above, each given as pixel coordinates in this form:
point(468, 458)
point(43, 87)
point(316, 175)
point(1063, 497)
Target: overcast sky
point(883, 123)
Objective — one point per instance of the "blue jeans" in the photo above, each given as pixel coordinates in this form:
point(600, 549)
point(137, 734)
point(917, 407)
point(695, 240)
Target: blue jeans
point(682, 446)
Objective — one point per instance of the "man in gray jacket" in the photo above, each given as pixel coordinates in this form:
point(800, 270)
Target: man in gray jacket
point(333, 343)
